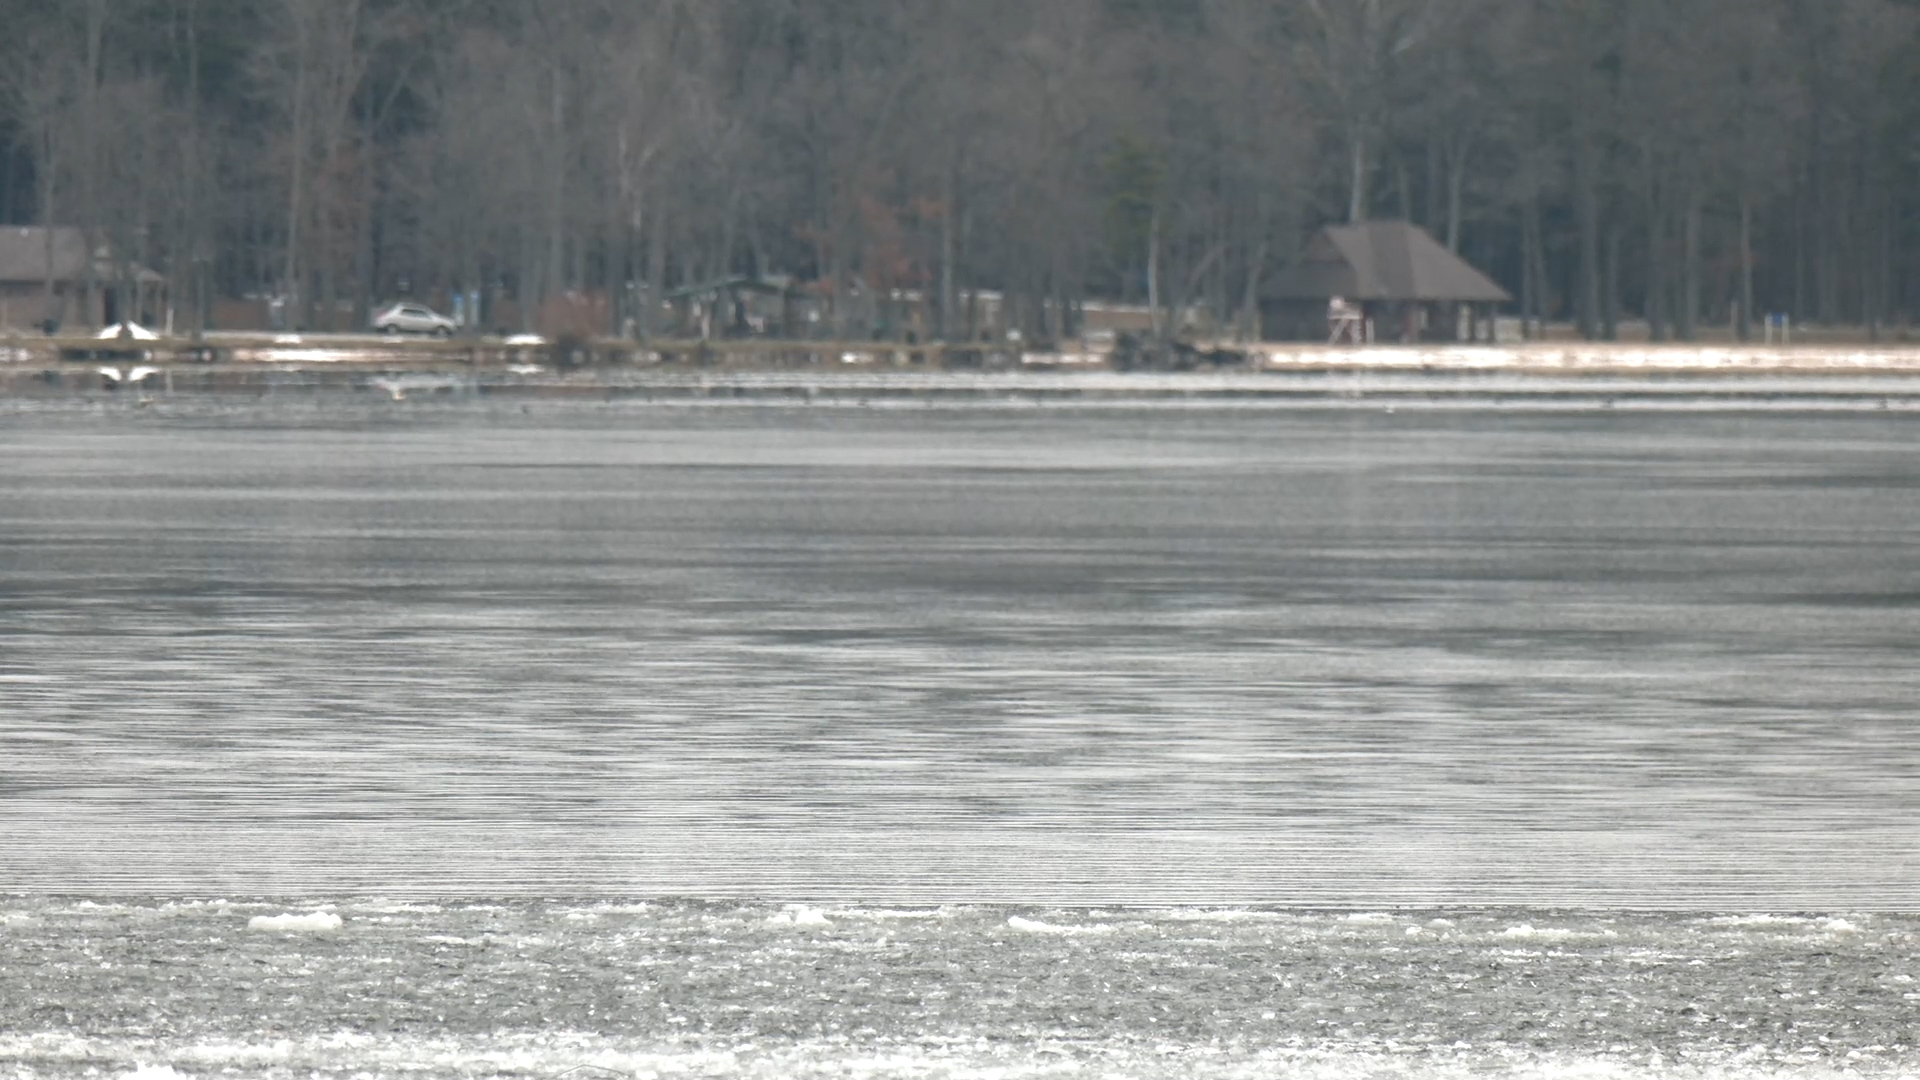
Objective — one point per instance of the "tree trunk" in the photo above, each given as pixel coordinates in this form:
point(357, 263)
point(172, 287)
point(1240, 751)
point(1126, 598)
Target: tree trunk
point(656, 276)
point(526, 287)
point(944, 323)
point(48, 219)
point(1610, 312)
point(1434, 183)
point(1801, 254)
point(90, 156)
point(329, 298)
point(1530, 298)
point(1456, 184)
point(1745, 328)
point(555, 263)
point(1656, 275)
point(1357, 186)
point(296, 175)
point(1587, 202)
point(1880, 238)
point(1153, 276)
point(1251, 330)
point(363, 259)
point(1690, 282)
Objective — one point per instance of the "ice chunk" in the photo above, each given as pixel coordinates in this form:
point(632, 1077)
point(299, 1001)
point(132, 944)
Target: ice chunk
point(1528, 932)
point(293, 924)
point(1035, 926)
point(799, 915)
point(1756, 920)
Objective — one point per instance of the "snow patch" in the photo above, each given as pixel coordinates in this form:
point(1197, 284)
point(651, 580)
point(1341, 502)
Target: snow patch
point(396, 907)
point(1756, 920)
point(152, 1072)
point(1035, 926)
point(1228, 915)
point(289, 923)
point(798, 915)
point(898, 913)
point(1526, 932)
point(134, 332)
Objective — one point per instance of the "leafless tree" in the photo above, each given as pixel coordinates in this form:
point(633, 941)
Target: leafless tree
point(1681, 162)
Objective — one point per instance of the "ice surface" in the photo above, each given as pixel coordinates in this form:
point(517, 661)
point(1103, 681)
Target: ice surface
point(290, 923)
point(686, 989)
point(1083, 657)
point(799, 915)
point(153, 1072)
point(1527, 932)
point(1035, 926)
point(1759, 919)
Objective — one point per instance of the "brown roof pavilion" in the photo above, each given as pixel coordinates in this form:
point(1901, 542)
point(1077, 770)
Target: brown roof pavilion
point(1384, 261)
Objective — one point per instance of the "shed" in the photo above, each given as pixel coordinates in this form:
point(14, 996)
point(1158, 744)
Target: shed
point(734, 306)
point(44, 274)
point(1397, 278)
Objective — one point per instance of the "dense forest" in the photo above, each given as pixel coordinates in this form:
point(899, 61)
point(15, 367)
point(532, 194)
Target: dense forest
point(1682, 163)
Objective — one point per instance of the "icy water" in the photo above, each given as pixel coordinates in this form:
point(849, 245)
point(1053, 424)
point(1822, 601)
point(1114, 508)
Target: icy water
point(686, 989)
point(965, 741)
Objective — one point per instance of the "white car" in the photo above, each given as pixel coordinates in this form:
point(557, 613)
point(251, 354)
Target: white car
point(413, 319)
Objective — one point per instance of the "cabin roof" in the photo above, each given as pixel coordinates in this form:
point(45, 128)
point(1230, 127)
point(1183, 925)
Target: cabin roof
point(1382, 260)
point(23, 256)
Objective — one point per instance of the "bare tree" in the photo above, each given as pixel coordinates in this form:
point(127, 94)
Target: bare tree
point(312, 73)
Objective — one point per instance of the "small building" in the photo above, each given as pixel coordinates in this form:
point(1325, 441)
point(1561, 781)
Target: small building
point(1381, 281)
point(738, 306)
point(44, 275)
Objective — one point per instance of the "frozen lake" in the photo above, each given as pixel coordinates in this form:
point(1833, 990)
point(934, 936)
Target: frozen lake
point(352, 739)
point(415, 991)
point(1068, 656)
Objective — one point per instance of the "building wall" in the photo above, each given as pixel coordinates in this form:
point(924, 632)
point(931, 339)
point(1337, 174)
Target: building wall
point(1306, 320)
point(23, 306)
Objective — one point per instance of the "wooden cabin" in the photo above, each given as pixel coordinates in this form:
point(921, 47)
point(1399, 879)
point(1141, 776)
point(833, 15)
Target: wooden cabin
point(1386, 281)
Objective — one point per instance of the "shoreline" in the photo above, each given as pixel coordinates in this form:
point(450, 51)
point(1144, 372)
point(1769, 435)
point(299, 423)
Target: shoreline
point(1353, 385)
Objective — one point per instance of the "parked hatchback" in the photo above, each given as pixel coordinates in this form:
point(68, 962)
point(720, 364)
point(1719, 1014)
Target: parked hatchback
point(405, 318)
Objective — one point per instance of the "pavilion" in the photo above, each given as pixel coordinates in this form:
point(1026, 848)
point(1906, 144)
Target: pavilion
point(1399, 283)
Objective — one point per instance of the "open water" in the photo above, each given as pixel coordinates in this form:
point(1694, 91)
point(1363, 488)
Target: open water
point(961, 741)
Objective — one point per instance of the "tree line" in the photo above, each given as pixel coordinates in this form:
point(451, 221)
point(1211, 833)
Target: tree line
point(1677, 162)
